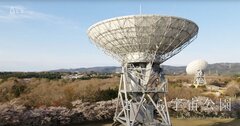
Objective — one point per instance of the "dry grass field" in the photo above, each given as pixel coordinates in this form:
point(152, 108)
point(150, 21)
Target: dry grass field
point(45, 92)
point(37, 92)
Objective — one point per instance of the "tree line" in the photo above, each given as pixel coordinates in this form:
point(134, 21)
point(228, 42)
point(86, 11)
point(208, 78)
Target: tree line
point(22, 75)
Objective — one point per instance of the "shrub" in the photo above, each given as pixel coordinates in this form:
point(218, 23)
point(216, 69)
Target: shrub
point(89, 93)
point(12, 88)
point(85, 78)
point(182, 92)
point(69, 92)
point(233, 89)
point(108, 94)
point(17, 89)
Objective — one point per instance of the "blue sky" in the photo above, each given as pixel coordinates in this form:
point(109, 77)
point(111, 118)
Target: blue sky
point(38, 36)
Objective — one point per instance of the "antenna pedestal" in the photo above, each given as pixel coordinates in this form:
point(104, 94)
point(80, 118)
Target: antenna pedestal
point(142, 96)
point(199, 79)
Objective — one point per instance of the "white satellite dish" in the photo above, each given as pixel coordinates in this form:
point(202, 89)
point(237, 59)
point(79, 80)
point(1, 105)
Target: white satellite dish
point(197, 68)
point(141, 43)
point(196, 65)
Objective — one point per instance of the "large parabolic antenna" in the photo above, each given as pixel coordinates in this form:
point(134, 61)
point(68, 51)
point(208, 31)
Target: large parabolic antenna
point(141, 43)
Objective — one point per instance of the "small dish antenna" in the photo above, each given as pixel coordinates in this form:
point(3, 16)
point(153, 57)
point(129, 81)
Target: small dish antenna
point(197, 68)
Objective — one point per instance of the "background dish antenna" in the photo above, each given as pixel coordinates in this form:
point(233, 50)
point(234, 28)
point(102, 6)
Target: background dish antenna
point(197, 68)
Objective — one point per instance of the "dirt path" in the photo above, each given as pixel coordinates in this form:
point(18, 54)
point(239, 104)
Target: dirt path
point(206, 122)
point(187, 122)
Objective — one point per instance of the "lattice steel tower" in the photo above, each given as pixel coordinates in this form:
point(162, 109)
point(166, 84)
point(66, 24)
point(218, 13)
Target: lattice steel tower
point(141, 43)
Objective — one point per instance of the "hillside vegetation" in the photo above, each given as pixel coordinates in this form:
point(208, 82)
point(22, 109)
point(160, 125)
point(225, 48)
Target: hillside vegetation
point(37, 92)
point(45, 92)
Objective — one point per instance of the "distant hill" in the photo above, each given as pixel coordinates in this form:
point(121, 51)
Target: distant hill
point(105, 69)
point(217, 68)
point(224, 68)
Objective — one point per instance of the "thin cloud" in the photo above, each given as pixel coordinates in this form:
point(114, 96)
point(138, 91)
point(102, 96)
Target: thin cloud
point(20, 13)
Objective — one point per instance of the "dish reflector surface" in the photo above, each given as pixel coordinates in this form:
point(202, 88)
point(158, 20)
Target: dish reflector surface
point(143, 38)
point(196, 65)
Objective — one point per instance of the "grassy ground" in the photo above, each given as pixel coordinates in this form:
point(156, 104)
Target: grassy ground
point(187, 122)
point(206, 122)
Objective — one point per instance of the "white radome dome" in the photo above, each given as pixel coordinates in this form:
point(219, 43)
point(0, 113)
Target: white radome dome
point(196, 65)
